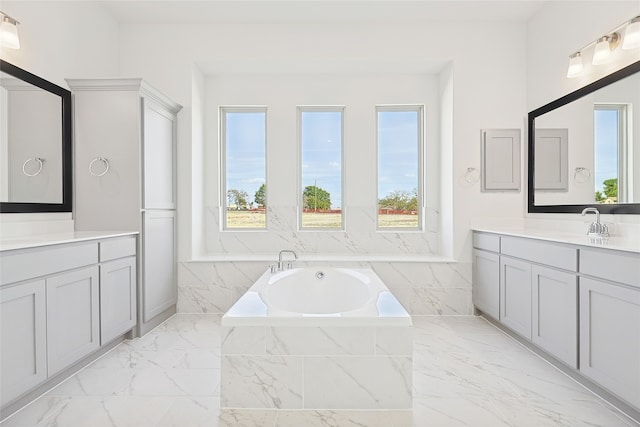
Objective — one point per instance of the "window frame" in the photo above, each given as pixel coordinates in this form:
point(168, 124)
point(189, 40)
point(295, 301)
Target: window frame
point(222, 156)
point(420, 109)
point(300, 109)
point(625, 149)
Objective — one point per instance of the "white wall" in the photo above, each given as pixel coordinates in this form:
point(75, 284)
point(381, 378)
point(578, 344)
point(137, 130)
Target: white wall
point(59, 40)
point(488, 84)
point(359, 94)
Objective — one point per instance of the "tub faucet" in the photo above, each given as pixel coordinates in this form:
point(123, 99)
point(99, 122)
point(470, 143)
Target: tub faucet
point(596, 228)
point(280, 266)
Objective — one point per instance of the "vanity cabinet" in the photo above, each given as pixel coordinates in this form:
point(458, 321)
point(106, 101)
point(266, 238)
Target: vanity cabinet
point(515, 295)
point(125, 145)
point(118, 288)
point(554, 312)
point(486, 274)
point(59, 304)
point(23, 349)
point(577, 303)
point(610, 322)
point(72, 317)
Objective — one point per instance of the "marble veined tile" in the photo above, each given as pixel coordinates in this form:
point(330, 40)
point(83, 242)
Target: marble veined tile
point(38, 411)
point(441, 301)
point(337, 418)
point(243, 340)
point(192, 412)
point(320, 341)
point(245, 418)
point(455, 412)
point(550, 413)
point(261, 382)
point(344, 382)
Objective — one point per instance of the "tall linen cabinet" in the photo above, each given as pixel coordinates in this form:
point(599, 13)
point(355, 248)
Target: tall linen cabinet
point(124, 149)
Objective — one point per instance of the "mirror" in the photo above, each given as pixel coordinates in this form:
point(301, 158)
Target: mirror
point(584, 148)
point(35, 143)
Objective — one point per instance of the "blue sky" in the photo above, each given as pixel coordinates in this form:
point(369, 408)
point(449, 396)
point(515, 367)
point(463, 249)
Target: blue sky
point(606, 146)
point(321, 133)
point(322, 152)
point(245, 151)
point(398, 158)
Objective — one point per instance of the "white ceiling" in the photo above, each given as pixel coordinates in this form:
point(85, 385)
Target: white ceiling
point(317, 11)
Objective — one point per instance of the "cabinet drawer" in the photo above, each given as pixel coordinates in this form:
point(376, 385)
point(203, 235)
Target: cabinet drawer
point(541, 252)
point(488, 242)
point(619, 266)
point(117, 248)
point(22, 265)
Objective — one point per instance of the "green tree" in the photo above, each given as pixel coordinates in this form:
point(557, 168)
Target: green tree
point(400, 200)
point(600, 197)
point(261, 196)
point(316, 198)
point(611, 187)
point(238, 198)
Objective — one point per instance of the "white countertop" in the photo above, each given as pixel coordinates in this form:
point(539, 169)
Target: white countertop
point(36, 240)
point(621, 243)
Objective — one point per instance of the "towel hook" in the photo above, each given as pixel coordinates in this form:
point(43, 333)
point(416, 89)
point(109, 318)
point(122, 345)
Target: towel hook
point(106, 166)
point(33, 159)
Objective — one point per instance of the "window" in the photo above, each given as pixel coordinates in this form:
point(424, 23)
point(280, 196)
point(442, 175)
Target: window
point(400, 143)
point(243, 132)
point(320, 135)
point(611, 153)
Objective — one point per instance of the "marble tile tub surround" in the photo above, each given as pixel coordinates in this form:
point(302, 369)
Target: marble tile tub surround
point(359, 237)
point(466, 372)
point(291, 367)
point(423, 288)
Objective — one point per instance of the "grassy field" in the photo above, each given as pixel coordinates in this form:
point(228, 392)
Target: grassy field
point(256, 219)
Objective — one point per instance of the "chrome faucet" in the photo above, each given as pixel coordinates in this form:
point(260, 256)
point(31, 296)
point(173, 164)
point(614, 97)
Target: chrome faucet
point(280, 265)
point(596, 228)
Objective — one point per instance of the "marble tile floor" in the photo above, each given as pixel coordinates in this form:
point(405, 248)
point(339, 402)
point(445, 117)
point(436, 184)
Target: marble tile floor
point(466, 373)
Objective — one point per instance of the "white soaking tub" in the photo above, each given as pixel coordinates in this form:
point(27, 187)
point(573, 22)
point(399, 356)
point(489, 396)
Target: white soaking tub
point(317, 338)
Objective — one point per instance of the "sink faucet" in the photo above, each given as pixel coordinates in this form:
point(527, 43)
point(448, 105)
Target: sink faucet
point(596, 228)
point(280, 266)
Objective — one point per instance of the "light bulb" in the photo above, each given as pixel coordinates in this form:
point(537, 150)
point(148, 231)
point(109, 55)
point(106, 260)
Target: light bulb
point(575, 65)
point(602, 51)
point(632, 34)
point(9, 33)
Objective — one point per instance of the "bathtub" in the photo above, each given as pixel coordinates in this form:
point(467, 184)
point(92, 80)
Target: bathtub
point(317, 338)
point(317, 296)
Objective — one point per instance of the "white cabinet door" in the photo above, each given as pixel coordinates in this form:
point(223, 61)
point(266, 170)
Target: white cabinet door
point(486, 282)
point(72, 317)
point(107, 126)
point(158, 149)
point(555, 313)
point(159, 287)
point(515, 295)
point(23, 339)
point(117, 298)
point(610, 337)
point(500, 170)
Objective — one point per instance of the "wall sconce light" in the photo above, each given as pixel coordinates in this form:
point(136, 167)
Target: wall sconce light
point(575, 65)
point(606, 44)
point(9, 32)
point(632, 34)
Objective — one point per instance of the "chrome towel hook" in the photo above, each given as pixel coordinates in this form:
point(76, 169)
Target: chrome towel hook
point(106, 166)
point(33, 159)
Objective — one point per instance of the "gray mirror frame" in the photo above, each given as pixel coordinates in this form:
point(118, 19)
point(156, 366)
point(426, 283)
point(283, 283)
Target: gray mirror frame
point(626, 208)
point(67, 159)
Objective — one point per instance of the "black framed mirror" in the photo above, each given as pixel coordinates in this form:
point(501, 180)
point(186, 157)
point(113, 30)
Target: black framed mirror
point(584, 148)
point(36, 173)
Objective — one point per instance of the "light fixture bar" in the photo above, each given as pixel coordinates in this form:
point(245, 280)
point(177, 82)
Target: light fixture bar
point(627, 34)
